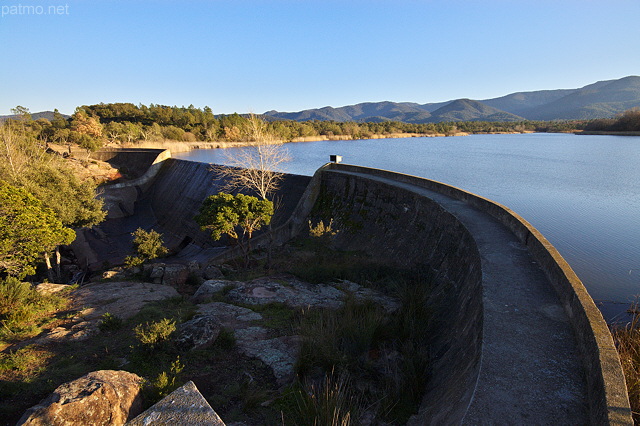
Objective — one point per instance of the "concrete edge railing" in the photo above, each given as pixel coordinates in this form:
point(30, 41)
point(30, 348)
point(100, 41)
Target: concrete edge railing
point(152, 171)
point(287, 230)
point(608, 398)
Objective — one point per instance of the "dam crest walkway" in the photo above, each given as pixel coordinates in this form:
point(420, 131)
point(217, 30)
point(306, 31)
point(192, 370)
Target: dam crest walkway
point(531, 369)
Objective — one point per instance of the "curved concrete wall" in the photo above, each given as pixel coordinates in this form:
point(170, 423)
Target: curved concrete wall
point(406, 229)
point(608, 400)
point(132, 162)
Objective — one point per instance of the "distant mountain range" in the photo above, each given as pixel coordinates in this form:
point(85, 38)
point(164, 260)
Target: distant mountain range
point(603, 99)
point(36, 115)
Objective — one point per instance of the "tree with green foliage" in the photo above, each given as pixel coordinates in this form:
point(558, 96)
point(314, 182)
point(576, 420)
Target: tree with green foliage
point(25, 163)
point(148, 246)
point(237, 216)
point(28, 230)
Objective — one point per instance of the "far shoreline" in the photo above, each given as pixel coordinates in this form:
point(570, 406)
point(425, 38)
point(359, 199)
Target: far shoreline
point(608, 133)
point(181, 146)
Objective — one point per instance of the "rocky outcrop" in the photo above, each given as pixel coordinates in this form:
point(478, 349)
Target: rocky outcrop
point(103, 397)
point(293, 292)
point(198, 332)
point(121, 299)
point(252, 339)
point(174, 275)
point(184, 406)
point(211, 272)
point(211, 287)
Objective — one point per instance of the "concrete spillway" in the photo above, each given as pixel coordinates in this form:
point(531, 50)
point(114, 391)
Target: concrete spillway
point(165, 199)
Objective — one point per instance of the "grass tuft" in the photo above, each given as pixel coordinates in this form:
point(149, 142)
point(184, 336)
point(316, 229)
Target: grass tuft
point(627, 340)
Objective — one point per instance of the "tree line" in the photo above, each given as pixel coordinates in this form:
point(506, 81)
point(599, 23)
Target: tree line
point(92, 126)
point(628, 121)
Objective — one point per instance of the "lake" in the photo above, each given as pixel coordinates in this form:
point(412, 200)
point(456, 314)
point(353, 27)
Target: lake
point(581, 192)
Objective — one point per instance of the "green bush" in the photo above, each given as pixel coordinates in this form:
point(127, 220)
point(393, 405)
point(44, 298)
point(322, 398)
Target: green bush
point(154, 333)
point(148, 245)
point(133, 261)
point(13, 293)
point(110, 322)
point(23, 310)
point(165, 383)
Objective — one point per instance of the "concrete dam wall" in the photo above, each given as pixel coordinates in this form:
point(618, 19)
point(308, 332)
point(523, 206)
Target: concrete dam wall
point(516, 337)
point(519, 339)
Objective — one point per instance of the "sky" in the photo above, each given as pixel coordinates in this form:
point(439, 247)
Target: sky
point(290, 55)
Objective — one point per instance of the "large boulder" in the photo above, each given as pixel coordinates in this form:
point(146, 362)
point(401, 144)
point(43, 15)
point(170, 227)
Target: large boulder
point(212, 272)
point(198, 332)
point(103, 397)
point(123, 299)
point(175, 275)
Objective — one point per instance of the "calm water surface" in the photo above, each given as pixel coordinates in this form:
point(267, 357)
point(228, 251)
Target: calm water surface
point(581, 192)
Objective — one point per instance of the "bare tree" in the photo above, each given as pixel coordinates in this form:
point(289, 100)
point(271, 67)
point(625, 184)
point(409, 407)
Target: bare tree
point(256, 168)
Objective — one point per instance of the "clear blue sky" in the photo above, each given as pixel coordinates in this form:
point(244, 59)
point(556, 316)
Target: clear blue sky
point(297, 54)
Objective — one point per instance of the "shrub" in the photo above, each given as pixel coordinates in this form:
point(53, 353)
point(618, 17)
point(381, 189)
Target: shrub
point(154, 333)
point(23, 310)
point(133, 261)
point(163, 384)
point(321, 230)
point(13, 293)
point(148, 246)
point(110, 322)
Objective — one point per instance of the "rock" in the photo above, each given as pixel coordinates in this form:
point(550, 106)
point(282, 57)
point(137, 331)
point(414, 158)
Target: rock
point(193, 266)
point(230, 316)
point(123, 299)
point(50, 288)
point(227, 269)
point(184, 406)
point(157, 272)
point(103, 397)
point(288, 290)
point(175, 275)
point(211, 287)
point(107, 275)
point(279, 353)
point(198, 332)
point(212, 273)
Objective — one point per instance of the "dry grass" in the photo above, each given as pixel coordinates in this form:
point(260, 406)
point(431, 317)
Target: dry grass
point(627, 340)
